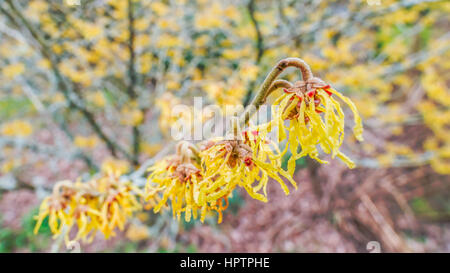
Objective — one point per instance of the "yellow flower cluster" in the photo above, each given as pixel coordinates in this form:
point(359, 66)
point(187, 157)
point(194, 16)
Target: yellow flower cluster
point(200, 178)
point(315, 119)
point(180, 179)
point(242, 162)
point(101, 204)
point(205, 183)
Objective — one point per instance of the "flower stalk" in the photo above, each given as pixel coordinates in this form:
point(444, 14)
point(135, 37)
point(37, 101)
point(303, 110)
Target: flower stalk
point(266, 87)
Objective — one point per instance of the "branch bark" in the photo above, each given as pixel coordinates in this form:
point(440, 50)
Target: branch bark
point(266, 87)
point(259, 37)
point(132, 80)
point(259, 46)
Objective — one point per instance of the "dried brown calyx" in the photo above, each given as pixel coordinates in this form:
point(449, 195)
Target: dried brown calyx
point(112, 196)
point(61, 196)
point(237, 150)
point(182, 163)
point(173, 162)
point(184, 171)
point(305, 90)
point(67, 193)
point(205, 145)
point(310, 85)
point(58, 202)
point(80, 210)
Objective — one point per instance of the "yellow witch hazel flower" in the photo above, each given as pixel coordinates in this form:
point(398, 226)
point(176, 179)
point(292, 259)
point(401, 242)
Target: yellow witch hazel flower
point(117, 202)
point(180, 179)
point(308, 116)
point(54, 206)
point(246, 161)
point(101, 204)
point(203, 180)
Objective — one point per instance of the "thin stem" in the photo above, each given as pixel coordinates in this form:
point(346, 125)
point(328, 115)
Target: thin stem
point(259, 37)
point(266, 86)
point(259, 46)
point(60, 184)
point(188, 151)
point(235, 133)
point(278, 84)
point(132, 80)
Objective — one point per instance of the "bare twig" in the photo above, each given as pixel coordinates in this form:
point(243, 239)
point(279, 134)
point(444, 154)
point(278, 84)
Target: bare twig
point(259, 46)
point(259, 37)
point(132, 80)
point(267, 84)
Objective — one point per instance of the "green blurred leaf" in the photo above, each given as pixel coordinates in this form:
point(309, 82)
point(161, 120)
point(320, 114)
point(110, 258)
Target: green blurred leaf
point(14, 106)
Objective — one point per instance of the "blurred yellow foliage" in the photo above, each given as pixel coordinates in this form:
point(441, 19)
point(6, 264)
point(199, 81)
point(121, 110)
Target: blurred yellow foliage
point(137, 232)
point(16, 128)
point(86, 142)
point(150, 149)
point(116, 166)
point(12, 70)
point(9, 165)
point(97, 98)
point(131, 116)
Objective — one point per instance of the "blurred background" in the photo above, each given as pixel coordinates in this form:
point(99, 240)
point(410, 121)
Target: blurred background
point(91, 82)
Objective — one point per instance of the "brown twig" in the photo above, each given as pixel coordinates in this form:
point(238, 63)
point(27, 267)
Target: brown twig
point(132, 80)
point(259, 46)
point(259, 37)
point(267, 84)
